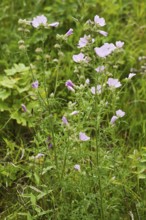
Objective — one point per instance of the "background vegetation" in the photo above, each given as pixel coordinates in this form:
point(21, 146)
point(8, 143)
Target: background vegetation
point(111, 183)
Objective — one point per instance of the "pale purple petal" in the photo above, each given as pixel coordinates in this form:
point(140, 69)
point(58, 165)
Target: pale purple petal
point(119, 44)
point(64, 120)
point(78, 57)
point(39, 20)
point(113, 119)
point(83, 41)
point(113, 83)
point(105, 50)
point(77, 167)
point(99, 21)
point(54, 24)
point(35, 84)
point(69, 32)
point(120, 113)
point(104, 33)
point(69, 83)
point(83, 137)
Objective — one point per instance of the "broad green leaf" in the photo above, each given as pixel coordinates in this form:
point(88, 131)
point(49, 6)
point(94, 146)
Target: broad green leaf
point(8, 82)
point(4, 94)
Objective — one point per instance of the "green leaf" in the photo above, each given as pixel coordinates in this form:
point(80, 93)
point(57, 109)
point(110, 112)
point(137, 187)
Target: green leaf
point(4, 94)
point(142, 176)
point(8, 82)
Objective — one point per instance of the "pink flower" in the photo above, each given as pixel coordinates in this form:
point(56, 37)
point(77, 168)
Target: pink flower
point(78, 57)
point(69, 84)
point(64, 120)
point(104, 33)
point(77, 167)
point(96, 90)
point(119, 44)
point(120, 113)
point(83, 137)
point(105, 50)
point(69, 32)
point(54, 24)
point(35, 84)
point(100, 69)
point(39, 20)
point(113, 119)
point(99, 21)
point(83, 41)
point(113, 83)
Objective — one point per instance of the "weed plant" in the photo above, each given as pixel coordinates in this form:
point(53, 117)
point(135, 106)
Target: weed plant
point(66, 125)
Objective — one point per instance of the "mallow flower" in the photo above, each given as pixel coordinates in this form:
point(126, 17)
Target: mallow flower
point(119, 114)
point(83, 137)
point(78, 57)
point(69, 32)
point(119, 44)
point(38, 21)
point(64, 120)
point(77, 167)
point(105, 50)
point(114, 83)
point(99, 21)
point(35, 84)
point(69, 84)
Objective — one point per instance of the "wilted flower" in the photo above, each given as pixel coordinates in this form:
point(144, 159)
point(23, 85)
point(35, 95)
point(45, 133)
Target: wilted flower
point(83, 137)
point(69, 32)
point(69, 84)
point(99, 21)
point(77, 167)
point(120, 113)
point(35, 84)
point(105, 50)
point(119, 44)
point(96, 90)
point(39, 20)
point(24, 108)
point(78, 57)
point(104, 33)
point(54, 24)
point(64, 120)
point(100, 69)
point(113, 83)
